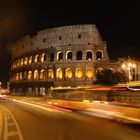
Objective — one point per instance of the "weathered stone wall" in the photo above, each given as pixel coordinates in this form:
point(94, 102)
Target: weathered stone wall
point(79, 36)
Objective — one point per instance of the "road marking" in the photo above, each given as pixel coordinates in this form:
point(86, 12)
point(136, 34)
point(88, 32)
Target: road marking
point(10, 120)
point(1, 123)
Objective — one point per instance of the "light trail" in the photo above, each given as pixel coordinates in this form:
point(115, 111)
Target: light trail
point(49, 108)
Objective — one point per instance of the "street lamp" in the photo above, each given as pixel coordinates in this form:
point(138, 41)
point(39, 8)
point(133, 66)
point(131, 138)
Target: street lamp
point(128, 66)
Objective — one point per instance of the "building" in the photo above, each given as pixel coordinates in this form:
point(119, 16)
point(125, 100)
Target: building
point(60, 56)
point(131, 67)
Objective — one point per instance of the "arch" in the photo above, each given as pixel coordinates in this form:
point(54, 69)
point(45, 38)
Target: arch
point(69, 55)
point(30, 60)
point(59, 73)
point(78, 73)
point(30, 75)
point(99, 55)
point(99, 70)
point(43, 57)
point(17, 76)
point(42, 74)
point(36, 59)
point(21, 62)
point(20, 75)
point(18, 62)
point(36, 75)
point(79, 55)
point(89, 72)
point(15, 64)
point(68, 73)
point(52, 57)
point(25, 75)
point(89, 55)
point(25, 60)
point(59, 56)
point(50, 74)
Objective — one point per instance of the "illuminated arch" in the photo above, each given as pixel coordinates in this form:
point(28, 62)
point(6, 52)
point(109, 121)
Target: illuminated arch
point(43, 57)
point(15, 64)
point(50, 74)
point(99, 55)
point(18, 62)
point(89, 55)
point(59, 56)
point(78, 73)
point(36, 75)
point(69, 55)
point(20, 76)
point(68, 73)
point(110, 69)
point(17, 76)
point(36, 59)
point(21, 62)
point(25, 60)
point(30, 75)
point(30, 60)
point(59, 73)
point(89, 72)
point(99, 70)
point(42, 74)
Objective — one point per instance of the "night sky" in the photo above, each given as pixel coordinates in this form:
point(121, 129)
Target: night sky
point(118, 23)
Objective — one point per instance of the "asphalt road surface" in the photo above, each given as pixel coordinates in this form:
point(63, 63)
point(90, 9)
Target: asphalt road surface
point(23, 121)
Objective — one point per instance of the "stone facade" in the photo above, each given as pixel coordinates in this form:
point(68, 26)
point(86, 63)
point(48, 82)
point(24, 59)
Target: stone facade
point(61, 56)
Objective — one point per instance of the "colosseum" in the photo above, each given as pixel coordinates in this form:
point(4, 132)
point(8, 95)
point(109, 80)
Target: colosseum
point(60, 56)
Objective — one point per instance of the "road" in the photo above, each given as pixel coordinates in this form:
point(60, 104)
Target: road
point(20, 121)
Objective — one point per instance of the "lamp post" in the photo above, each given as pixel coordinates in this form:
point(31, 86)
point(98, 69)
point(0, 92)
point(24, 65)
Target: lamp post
point(128, 66)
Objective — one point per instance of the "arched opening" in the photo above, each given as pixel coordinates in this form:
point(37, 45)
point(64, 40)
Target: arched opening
point(52, 57)
point(78, 73)
point(20, 76)
point(68, 73)
point(42, 74)
point(30, 75)
point(15, 64)
point(59, 73)
point(36, 75)
point(43, 57)
point(50, 74)
point(25, 75)
point(69, 55)
point(25, 60)
point(89, 55)
point(99, 70)
point(99, 55)
point(21, 61)
point(17, 76)
point(18, 62)
point(79, 55)
point(36, 58)
point(30, 60)
point(89, 72)
point(59, 56)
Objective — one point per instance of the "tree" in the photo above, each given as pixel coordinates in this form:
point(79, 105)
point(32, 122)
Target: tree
point(108, 77)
